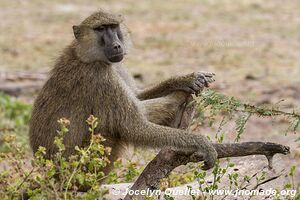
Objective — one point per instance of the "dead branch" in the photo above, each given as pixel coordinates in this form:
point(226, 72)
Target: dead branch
point(167, 160)
point(16, 83)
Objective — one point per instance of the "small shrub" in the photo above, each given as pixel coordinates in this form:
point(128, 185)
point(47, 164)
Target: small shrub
point(60, 177)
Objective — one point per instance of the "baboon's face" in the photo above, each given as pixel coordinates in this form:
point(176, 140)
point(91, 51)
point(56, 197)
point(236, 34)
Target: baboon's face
point(110, 39)
point(104, 43)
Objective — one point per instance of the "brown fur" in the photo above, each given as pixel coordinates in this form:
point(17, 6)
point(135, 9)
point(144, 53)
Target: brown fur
point(81, 84)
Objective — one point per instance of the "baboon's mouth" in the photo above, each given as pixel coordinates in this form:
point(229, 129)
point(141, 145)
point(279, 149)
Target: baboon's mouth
point(116, 58)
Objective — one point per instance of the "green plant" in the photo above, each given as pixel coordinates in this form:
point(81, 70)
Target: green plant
point(14, 110)
point(124, 172)
point(212, 104)
point(60, 177)
point(14, 118)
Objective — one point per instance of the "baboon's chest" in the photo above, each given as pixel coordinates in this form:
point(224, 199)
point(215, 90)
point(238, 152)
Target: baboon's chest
point(110, 94)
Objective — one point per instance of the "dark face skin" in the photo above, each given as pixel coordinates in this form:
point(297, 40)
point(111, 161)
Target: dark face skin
point(111, 39)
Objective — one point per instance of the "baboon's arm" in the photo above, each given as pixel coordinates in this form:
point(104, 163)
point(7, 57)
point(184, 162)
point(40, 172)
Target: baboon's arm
point(191, 83)
point(145, 133)
point(149, 93)
point(157, 91)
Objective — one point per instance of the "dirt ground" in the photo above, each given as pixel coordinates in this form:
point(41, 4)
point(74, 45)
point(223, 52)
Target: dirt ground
point(252, 45)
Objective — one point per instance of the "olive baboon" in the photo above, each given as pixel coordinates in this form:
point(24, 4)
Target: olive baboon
point(88, 78)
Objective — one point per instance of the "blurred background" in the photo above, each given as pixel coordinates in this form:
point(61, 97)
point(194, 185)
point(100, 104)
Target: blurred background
point(253, 46)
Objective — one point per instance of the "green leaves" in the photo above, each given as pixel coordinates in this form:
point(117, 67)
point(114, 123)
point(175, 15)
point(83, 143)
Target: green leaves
point(14, 110)
point(212, 105)
point(59, 177)
point(240, 124)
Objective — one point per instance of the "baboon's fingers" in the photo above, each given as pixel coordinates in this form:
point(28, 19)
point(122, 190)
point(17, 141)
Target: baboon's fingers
point(210, 80)
point(207, 164)
point(209, 77)
point(197, 87)
point(201, 77)
point(189, 90)
point(208, 74)
point(200, 83)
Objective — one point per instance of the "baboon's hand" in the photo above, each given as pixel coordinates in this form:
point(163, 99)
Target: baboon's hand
point(206, 150)
point(193, 83)
point(210, 159)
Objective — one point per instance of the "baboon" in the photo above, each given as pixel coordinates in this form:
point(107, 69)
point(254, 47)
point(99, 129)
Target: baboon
point(88, 78)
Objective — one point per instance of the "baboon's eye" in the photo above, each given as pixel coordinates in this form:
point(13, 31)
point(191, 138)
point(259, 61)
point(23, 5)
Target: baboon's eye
point(114, 26)
point(99, 28)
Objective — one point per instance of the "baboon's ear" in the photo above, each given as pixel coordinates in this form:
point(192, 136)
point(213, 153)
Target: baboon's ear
point(76, 31)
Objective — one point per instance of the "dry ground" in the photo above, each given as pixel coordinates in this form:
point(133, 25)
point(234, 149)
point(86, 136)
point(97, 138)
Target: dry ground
point(252, 45)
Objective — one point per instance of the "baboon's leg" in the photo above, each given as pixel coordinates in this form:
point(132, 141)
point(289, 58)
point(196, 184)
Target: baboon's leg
point(116, 148)
point(166, 110)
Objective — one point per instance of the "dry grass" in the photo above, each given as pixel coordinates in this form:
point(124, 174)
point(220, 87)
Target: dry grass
point(237, 37)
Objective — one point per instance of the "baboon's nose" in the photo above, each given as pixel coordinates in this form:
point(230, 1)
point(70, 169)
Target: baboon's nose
point(116, 46)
